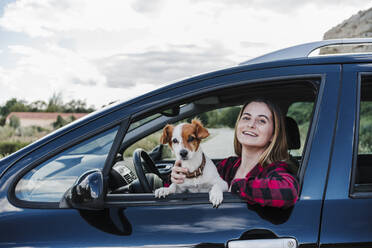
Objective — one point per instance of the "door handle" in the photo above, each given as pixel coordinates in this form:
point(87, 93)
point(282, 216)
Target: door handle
point(263, 243)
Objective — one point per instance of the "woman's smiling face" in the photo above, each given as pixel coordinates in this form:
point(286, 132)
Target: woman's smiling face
point(255, 127)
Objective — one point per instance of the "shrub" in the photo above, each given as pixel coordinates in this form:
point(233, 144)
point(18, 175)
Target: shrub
point(225, 117)
point(9, 147)
point(301, 112)
point(148, 143)
point(60, 122)
point(31, 131)
point(6, 132)
point(229, 116)
point(14, 122)
point(365, 136)
point(2, 121)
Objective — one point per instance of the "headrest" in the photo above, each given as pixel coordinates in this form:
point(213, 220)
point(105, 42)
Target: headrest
point(293, 133)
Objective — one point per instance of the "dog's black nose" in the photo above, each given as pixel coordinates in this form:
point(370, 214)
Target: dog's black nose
point(183, 153)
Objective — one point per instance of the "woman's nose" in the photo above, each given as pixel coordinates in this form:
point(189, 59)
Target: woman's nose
point(252, 123)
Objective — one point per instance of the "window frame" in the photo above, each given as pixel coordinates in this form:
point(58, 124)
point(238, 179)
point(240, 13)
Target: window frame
point(353, 193)
point(121, 126)
point(148, 199)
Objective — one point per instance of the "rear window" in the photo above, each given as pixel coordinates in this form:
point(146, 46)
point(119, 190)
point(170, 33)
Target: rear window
point(363, 170)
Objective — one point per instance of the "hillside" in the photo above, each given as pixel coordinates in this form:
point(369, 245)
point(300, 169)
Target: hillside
point(357, 26)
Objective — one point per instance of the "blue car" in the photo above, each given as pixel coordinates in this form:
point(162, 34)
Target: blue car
point(91, 183)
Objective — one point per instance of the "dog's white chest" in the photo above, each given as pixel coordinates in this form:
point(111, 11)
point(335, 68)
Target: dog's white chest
point(195, 185)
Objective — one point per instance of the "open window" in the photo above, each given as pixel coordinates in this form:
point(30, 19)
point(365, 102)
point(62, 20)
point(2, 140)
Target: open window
point(218, 110)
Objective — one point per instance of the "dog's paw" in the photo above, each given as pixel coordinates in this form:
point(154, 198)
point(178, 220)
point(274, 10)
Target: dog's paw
point(161, 192)
point(215, 196)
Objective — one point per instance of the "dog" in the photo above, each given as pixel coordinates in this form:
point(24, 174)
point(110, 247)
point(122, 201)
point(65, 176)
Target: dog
point(184, 139)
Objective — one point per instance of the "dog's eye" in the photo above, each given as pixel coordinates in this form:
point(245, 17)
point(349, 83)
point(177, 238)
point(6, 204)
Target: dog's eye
point(175, 141)
point(191, 139)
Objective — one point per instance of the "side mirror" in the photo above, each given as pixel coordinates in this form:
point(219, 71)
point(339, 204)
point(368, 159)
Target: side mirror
point(86, 193)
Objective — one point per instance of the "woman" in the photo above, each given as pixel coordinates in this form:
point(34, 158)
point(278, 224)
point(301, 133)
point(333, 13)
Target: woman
point(260, 173)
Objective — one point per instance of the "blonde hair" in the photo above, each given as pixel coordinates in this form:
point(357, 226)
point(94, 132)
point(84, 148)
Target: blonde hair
point(277, 150)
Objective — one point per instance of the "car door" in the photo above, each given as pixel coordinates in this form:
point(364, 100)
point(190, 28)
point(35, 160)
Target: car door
point(139, 220)
point(347, 219)
point(191, 221)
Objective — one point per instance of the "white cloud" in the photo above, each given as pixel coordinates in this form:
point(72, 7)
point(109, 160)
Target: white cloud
point(162, 65)
point(287, 6)
point(104, 28)
point(57, 66)
point(5, 81)
point(31, 86)
point(84, 48)
point(40, 73)
point(48, 17)
point(101, 95)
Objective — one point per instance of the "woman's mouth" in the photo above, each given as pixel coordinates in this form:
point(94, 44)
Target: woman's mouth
point(250, 133)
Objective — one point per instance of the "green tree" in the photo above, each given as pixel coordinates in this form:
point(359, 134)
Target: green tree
point(2, 120)
point(38, 106)
point(14, 122)
point(77, 106)
point(225, 117)
point(55, 103)
point(60, 122)
point(228, 116)
point(301, 112)
point(365, 128)
point(14, 105)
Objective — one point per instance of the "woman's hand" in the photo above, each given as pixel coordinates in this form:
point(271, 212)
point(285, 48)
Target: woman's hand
point(178, 173)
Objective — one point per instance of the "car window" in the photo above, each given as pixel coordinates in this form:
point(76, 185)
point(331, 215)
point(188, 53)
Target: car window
point(363, 173)
point(220, 124)
point(365, 128)
point(143, 121)
point(218, 112)
point(50, 180)
point(301, 112)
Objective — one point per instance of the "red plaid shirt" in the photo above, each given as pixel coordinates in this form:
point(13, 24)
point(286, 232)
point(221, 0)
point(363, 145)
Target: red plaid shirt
point(272, 185)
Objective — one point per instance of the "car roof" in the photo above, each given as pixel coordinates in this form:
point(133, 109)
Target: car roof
point(304, 52)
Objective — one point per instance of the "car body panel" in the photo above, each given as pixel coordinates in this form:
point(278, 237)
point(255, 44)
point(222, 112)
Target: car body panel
point(346, 220)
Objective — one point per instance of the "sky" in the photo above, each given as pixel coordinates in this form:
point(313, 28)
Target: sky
point(113, 50)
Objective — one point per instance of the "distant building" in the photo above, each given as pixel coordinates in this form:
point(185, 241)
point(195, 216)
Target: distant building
point(41, 119)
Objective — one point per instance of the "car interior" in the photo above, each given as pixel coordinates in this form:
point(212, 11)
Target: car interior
point(146, 170)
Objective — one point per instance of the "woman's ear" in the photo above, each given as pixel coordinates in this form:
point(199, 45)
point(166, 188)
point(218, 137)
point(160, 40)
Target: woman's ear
point(167, 134)
point(200, 131)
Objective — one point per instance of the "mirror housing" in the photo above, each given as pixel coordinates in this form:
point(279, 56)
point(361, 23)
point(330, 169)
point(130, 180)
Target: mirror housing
point(86, 193)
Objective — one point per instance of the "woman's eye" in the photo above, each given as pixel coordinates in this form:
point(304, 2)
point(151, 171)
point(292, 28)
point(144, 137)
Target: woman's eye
point(175, 141)
point(262, 121)
point(246, 118)
point(190, 139)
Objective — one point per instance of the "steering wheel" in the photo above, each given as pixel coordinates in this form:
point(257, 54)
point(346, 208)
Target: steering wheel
point(150, 167)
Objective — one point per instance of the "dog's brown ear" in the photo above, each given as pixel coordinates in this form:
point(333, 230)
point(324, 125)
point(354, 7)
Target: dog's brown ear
point(200, 131)
point(167, 134)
